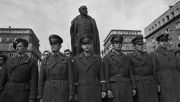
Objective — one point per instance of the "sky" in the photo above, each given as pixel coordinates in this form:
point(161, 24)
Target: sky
point(46, 17)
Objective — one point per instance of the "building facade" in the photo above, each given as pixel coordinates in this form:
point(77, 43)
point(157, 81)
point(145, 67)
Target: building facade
point(8, 35)
point(128, 35)
point(168, 22)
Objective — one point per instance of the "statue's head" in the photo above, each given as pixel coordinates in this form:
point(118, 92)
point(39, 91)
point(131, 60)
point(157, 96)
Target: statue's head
point(83, 10)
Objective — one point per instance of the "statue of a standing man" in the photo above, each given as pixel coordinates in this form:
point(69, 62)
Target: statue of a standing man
point(81, 25)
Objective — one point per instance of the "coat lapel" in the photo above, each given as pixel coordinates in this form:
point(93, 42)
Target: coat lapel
point(117, 58)
point(144, 57)
point(56, 60)
point(15, 62)
point(92, 61)
point(87, 62)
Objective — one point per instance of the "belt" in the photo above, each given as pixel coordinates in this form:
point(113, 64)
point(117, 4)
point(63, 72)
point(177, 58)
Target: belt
point(17, 80)
point(56, 77)
point(139, 78)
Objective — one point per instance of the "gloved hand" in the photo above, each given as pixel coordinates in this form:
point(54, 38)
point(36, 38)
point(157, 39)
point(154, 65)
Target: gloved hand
point(70, 98)
point(103, 94)
point(110, 94)
point(76, 98)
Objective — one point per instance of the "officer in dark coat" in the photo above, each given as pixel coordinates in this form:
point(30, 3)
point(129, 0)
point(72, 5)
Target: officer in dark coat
point(89, 73)
point(19, 79)
point(119, 77)
point(3, 59)
point(167, 71)
point(143, 72)
point(56, 75)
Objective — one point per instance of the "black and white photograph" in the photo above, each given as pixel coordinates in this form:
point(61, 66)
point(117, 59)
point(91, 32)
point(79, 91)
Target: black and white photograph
point(89, 50)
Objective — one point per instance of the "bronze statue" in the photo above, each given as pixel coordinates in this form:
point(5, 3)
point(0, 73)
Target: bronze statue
point(81, 25)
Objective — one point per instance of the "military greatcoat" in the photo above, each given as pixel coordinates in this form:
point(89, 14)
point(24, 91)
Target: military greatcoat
point(168, 75)
point(89, 75)
point(19, 80)
point(56, 79)
point(119, 77)
point(144, 75)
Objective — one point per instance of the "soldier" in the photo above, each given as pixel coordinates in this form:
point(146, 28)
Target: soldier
point(119, 77)
point(89, 73)
point(20, 76)
point(3, 59)
point(43, 55)
point(143, 72)
point(167, 71)
point(80, 25)
point(67, 52)
point(56, 75)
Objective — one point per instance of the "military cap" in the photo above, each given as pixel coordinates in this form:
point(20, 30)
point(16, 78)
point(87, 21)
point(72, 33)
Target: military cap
point(24, 41)
point(86, 39)
point(67, 50)
point(4, 57)
point(55, 39)
point(117, 38)
point(162, 37)
point(137, 40)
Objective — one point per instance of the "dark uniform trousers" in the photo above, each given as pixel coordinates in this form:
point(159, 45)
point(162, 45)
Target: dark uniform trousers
point(119, 77)
point(19, 80)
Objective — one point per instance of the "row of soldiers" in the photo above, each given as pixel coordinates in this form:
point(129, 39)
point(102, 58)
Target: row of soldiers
point(86, 77)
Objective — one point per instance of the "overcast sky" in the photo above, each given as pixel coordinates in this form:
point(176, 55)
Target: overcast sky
point(47, 17)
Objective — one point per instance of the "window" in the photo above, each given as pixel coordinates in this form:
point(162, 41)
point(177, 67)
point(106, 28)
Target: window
point(159, 23)
point(0, 39)
point(155, 26)
point(167, 31)
point(152, 28)
point(167, 17)
point(11, 55)
point(7, 39)
point(177, 25)
point(172, 13)
point(177, 11)
point(15, 38)
point(163, 20)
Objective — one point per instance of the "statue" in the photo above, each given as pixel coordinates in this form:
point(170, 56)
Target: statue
point(81, 25)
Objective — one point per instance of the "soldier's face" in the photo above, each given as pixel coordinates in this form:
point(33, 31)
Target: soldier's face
point(139, 47)
point(1, 61)
point(117, 46)
point(55, 47)
point(20, 48)
point(163, 44)
point(86, 47)
point(67, 53)
point(44, 55)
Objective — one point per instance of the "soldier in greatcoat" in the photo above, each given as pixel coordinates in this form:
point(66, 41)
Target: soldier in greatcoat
point(167, 71)
point(3, 59)
point(56, 75)
point(19, 79)
point(144, 74)
point(89, 73)
point(119, 77)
